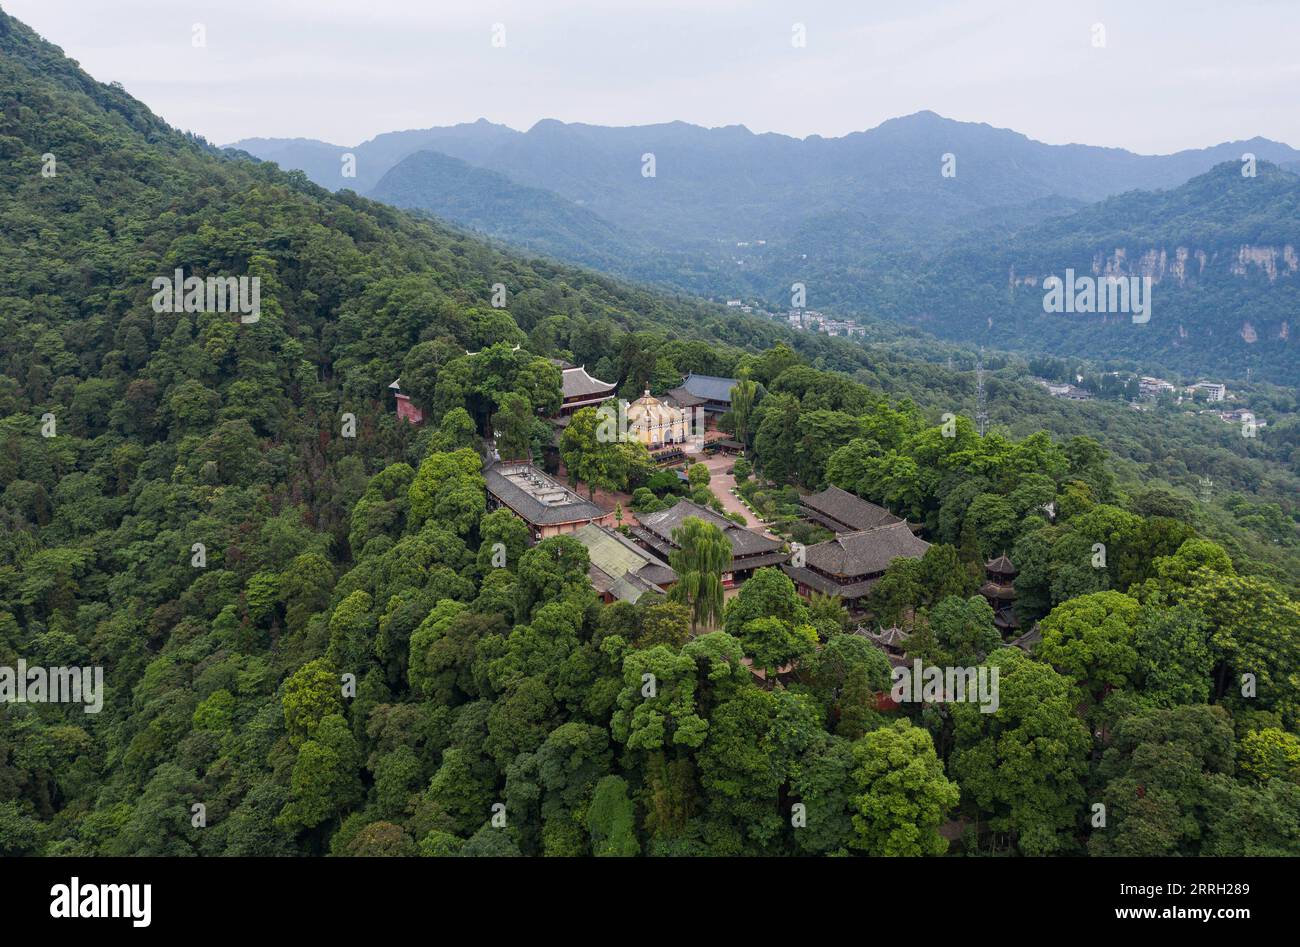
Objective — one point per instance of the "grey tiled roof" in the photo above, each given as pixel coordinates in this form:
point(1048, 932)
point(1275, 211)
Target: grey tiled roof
point(998, 591)
point(709, 387)
point(846, 508)
point(575, 382)
point(774, 558)
point(1028, 640)
point(1001, 566)
point(659, 575)
point(568, 508)
point(743, 541)
point(819, 583)
point(749, 550)
point(628, 587)
point(619, 566)
point(684, 399)
point(890, 637)
point(867, 551)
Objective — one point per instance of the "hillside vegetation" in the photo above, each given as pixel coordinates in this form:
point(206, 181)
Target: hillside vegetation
point(305, 633)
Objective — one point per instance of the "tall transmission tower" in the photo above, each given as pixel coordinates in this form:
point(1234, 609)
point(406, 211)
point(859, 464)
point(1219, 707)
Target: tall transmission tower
point(981, 405)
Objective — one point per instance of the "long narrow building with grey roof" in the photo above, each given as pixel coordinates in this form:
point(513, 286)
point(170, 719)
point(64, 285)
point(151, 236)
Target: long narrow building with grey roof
point(546, 505)
point(750, 550)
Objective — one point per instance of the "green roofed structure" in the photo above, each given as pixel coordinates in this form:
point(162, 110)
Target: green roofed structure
point(621, 570)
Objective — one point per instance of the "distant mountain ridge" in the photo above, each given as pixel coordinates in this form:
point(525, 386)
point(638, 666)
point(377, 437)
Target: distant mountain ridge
point(323, 162)
point(904, 146)
point(727, 212)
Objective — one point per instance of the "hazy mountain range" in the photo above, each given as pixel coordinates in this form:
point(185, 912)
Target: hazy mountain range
point(861, 221)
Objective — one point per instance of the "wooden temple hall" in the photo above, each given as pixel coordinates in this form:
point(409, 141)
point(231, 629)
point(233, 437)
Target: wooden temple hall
point(750, 550)
point(843, 512)
point(868, 537)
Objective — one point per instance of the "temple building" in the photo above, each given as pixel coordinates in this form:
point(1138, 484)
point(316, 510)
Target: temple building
point(843, 512)
point(850, 564)
point(579, 390)
point(546, 505)
point(749, 550)
point(621, 570)
point(709, 392)
point(406, 410)
point(1028, 641)
point(1000, 591)
point(664, 429)
point(655, 423)
point(892, 641)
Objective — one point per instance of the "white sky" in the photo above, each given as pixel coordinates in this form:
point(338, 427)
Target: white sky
point(1174, 73)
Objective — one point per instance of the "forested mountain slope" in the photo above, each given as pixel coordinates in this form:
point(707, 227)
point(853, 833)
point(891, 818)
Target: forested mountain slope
point(305, 633)
point(171, 429)
point(526, 217)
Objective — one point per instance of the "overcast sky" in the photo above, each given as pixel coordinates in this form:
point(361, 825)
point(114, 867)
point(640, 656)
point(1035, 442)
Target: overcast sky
point(1173, 73)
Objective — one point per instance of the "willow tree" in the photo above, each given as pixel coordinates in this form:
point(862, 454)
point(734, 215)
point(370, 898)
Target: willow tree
point(743, 396)
point(702, 555)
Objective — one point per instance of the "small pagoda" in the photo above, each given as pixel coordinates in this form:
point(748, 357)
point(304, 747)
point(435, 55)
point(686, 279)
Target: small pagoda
point(891, 641)
point(1000, 591)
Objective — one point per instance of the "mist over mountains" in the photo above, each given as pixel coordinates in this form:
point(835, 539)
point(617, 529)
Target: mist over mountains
point(874, 223)
point(714, 175)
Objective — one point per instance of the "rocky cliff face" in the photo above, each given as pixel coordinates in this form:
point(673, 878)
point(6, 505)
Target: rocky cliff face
point(1188, 263)
point(1274, 261)
point(1185, 263)
point(1157, 264)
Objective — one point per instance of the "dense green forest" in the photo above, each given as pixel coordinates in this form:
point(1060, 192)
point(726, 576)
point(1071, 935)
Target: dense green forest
point(529, 218)
point(341, 667)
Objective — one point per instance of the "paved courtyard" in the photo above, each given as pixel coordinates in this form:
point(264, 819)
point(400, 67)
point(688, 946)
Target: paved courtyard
point(721, 483)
